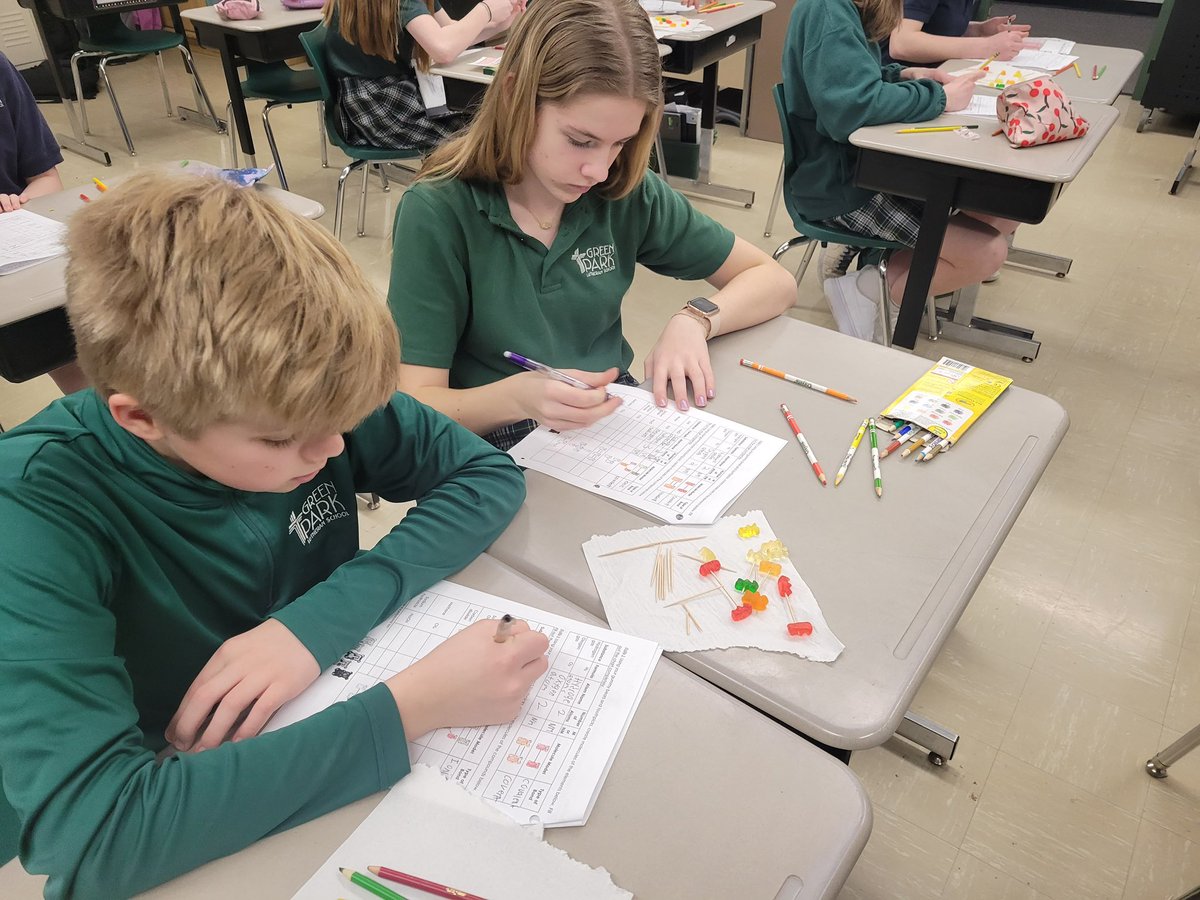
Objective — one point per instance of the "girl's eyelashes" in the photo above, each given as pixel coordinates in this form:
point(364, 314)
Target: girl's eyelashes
point(575, 143)
point(280, 443)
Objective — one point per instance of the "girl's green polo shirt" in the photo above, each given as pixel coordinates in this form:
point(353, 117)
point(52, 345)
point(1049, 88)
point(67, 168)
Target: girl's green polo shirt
point(468, 284)
point(349, 60)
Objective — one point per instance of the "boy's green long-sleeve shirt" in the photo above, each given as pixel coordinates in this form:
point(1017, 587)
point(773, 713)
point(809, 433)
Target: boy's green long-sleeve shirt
point(833, 84)
point(122, 574)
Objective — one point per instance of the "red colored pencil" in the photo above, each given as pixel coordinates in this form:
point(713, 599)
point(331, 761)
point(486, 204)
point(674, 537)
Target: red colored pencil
point(812, 459)
point(430, 887)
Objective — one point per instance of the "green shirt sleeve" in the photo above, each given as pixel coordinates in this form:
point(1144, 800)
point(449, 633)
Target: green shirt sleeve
point(466, 493)
point(428, 292)
point(99, 814)
point(679, 241)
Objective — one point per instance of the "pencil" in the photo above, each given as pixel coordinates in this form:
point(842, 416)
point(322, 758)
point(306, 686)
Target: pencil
point(816, 466)
point(1103, 69)
point(803, 382)
point(841, 472)
point(504, 629)
point(900, 437)
point(933, 128)
point(85, 198)
point(429, 887)
point(1078, 74)
point(717, 7)
point(987, 62)
point(1063, 69)
point(100, 184)
point(875, 458)
point(1095, 72)
point(915, 445)
point(370, 885)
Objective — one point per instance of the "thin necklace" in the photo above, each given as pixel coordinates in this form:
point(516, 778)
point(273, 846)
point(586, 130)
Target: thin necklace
point(545, 226)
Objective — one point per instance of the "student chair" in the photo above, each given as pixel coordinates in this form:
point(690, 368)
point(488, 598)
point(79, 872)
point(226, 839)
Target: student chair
point(813, 234)
point(362, 156)
point(109, 39)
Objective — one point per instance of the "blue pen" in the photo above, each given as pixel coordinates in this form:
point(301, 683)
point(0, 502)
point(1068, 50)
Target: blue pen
point(534, 366)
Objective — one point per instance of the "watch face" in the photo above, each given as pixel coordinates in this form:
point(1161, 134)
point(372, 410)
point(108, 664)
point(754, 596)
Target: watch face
point(702, 304)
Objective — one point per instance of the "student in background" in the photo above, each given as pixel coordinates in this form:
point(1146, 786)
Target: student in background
point(181, 550)
point(379, 49)
point(834, 83)
point(29, 154)
point(933, 31)
point(524, 232)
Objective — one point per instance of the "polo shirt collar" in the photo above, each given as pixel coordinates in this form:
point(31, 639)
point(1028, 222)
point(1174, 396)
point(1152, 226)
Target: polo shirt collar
point(489, 199)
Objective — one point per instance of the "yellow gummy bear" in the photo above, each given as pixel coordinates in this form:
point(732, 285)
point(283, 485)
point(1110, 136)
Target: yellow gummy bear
point(707, 555)
point(748, 531)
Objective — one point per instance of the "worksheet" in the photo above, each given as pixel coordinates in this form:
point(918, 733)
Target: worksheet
point(685, 468)
point(549, 763)
point(27, 239)
point(982, 105)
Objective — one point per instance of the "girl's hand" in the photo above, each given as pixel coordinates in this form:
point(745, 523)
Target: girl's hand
point(10, 203)
point(959, 90)
point(561, 406)
point(680, 356)
point(469, 679)
point(914, 72)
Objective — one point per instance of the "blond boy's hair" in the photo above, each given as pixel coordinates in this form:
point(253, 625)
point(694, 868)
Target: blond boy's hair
point(560, 50)
point(208, 303)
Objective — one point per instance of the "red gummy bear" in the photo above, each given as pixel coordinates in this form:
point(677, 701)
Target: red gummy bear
point(799, 629)
point(712, 567)
point(742, 612)
point(784, 586)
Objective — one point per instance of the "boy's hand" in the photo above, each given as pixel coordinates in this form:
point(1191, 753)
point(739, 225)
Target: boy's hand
point(246, 680)
point(469, 679)
point(680, 356)
point(999, 25)
point(1007, 44)
point(562, 406)
point(10, 202)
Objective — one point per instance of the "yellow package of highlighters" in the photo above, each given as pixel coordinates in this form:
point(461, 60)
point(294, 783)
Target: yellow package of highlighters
point(949, 398)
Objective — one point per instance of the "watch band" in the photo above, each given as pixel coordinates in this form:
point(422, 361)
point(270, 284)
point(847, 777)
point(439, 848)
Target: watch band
point(712, 320)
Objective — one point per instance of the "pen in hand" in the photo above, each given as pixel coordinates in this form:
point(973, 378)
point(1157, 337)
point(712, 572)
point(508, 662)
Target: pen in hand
point(504, 629)
point(549, 371)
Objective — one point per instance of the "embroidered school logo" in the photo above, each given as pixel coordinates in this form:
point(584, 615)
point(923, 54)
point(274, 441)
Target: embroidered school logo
point(596, 260)
point(320, 508)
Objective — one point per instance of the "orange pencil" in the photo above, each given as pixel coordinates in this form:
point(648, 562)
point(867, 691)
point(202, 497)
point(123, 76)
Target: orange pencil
point(803, 382)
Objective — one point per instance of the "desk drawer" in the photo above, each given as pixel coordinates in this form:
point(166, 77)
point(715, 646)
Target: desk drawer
point(688, 56)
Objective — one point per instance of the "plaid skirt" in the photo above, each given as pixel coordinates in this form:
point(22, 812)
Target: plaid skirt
point(508, 436)
point(389, 112)
point(884, 216)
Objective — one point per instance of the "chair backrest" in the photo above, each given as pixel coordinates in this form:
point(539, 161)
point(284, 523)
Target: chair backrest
point(314, 48)
point(801, 224)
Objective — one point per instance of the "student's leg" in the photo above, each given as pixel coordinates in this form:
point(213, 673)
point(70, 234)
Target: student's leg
point(971, 251)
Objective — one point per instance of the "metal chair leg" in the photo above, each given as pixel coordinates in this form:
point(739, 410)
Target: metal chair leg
point(232, 132)
point(162, 79)
point(931, 317)
point(339, 201)
point(75, 57)
point(321, 134)
point(271, 141)
point(362, 202)
point(808, 253)
point(116, 106)
point(201, 95)
point(885, 305)
point(383, 178)
point(774, 203)
point(1158, 764)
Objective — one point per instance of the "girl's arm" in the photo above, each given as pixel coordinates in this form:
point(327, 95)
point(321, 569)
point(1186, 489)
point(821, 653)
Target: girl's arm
point(444, 38)
point(48, 182)
point(751, 288)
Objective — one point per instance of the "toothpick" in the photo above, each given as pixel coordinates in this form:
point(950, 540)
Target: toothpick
point(687, 621)
point(695, 558)
point(692, 597)
point(688, 613)
point(652, 544)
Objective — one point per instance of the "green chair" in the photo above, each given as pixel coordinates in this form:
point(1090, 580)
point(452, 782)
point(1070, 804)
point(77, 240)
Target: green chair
point(109, 39)
point(362, 156)
point(812, 234)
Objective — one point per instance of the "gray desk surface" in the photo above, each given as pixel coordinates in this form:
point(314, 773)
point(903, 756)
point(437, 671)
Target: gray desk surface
point(274, 15)
point(706, 798)
point(39, 288)
point(892, 576)
point(1121, 64)
point(720, 21)
point(464, 69)
point(1054, 163)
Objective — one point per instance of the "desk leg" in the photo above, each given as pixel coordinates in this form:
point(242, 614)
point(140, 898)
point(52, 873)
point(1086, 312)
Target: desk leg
point(960, 324)
point(202, 102)
point(237, 100)
point(938, 740)
point(1058, 266)
point(76, 141)
point(934, 222)
point(702, 187)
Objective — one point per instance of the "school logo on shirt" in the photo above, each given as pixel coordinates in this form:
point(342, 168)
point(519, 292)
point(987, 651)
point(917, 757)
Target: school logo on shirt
point(320, 508)
point(596, 260)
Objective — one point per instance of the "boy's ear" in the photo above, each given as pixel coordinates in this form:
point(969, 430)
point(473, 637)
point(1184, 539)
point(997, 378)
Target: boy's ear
point(131, 416)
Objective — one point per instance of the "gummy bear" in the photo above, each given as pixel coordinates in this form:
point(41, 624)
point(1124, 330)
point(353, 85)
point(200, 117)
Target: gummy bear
point(774, 550)
point(799, 629)
point(784, 586)
point(711, 567)
point(771, 569)
point(757, 602)
point(748, 531)
point(741, 585)
point(741, 612)
point(754, 556)
point(707, 555)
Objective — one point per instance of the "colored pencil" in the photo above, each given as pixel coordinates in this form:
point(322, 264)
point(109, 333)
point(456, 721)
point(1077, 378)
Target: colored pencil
point(85, 198)
point(915, 445)
point(987, 62)
point(841, 472)
point(1063, 69)
point(1103, 69)
point(1078, 74)
point(100, 184)
point(933, 128)
point(816, 466)
point(358, 879)
point(430, 887)
point(875, 458)
point(901, 436)
point(1095, 72)
point(717, 7)
point(795, 379)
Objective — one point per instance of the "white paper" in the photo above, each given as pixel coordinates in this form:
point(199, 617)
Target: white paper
point(1040, 59)
point(487, 62)
point(983, 105)
point(547, 764)
point(679, 467)
point(665, 26)
point(1052, 45)
point(427, 827)
point(624, 581)
point(27, 239)
point(664, 6)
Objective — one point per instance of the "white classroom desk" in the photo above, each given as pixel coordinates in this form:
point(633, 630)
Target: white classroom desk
point(706, 798)
point(892, 576)
point(1120, 61)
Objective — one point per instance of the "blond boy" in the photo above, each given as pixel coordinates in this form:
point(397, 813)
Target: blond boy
point(180, 544)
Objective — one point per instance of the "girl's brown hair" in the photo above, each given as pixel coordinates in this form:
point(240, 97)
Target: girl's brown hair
point(560, 50)
point(880, 17)
point(374, 27)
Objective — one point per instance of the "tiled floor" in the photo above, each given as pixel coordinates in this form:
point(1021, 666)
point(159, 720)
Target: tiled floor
point(1080, 654)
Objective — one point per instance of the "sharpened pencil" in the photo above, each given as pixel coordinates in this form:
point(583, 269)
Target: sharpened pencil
point(841, 472)
point(812, 459)
point(795, 379)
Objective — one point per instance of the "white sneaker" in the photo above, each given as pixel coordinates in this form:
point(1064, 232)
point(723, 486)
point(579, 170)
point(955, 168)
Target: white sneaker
point(854, 302)
point(993, 278)
point(835, 260)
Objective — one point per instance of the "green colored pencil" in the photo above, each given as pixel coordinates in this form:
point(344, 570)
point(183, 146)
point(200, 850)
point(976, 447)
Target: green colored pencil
point(370, 884)
point(875, 457)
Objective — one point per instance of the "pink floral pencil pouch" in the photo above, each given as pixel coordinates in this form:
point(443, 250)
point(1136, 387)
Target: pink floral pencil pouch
point(1037, 112)
point(238, 9)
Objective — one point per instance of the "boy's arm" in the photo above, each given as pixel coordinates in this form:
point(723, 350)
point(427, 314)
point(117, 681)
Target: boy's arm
point(99, 814)
point(912, 43)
